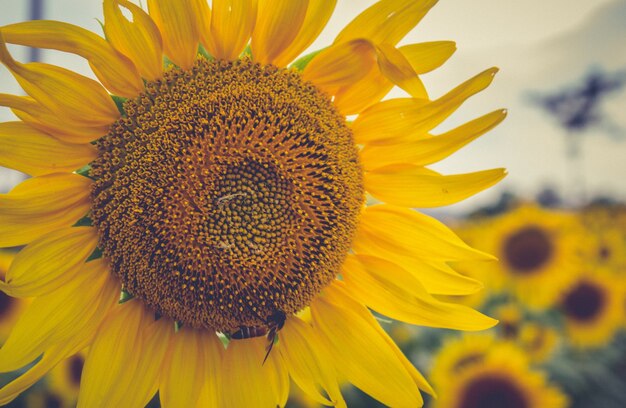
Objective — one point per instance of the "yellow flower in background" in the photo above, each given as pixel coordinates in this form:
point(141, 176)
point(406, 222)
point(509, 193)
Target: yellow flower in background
point(538, 251)
point(64, 379)
point(593, 309)
point(10, 307)
point(220, 197)
point(501, 378)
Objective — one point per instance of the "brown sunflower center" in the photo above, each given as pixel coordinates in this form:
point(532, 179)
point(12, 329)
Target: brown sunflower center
point(228, 194)
point(6, 304)
point(493, 392)
point(584, 302)
point(528, 249)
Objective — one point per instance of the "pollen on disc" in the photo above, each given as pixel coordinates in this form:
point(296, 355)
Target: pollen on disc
point(227, 193)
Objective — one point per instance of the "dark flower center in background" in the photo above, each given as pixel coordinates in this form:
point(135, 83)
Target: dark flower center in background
point(493, 392)
point(584, 302)
point(6, 304)
point(75, 369)
point(227, 194)
point(527, 249)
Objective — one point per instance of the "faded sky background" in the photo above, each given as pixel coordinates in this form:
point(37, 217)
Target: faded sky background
point(540, 46)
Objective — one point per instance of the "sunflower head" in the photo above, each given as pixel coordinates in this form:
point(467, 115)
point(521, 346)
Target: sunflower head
point(197, 215)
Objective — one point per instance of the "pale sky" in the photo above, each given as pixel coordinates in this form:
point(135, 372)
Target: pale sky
point(539, 45)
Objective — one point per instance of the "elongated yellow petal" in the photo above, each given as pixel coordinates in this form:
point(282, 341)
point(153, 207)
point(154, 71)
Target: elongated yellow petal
point(243, 364)
point(307, 363)
point(139, 39)
point(49, 262)
point(427, 56)
point(40, 205)
point(62, 91)
point(202, 11)
point(385, 287)
point(232, 22)
point(436, 276)
point(75, 310)
point(317, 15)
point(432, 149)
point(37, 116)
point(411, 233)
point(355, 98)
point(213, 354)
point(415, 186)
point(387, 21)
point(398, 120)
point(340, 65)
point(179, 29)
point(49, 360)
point(395, 67)
point(360, 353)
point(184, 371)
point(33, 152)
point(277, 24)
point(112, 365)
point(116, 72)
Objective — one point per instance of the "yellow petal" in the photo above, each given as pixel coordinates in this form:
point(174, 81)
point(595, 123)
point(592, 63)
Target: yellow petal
point(432, 149)
point(277, 24)
point(115, 71)
point(37, 116)
point(418, 187)
point(74, 311)
point(139, 39)
point(213, 355)
point(184, 370)
point(40, 205)
point(202, 11)
point(360, 353)
point(66, 93)
point(410, 233)
point(387, 21)
point(307, 362)
point(232, 22)
point(398, 120)
point(390, 290)
point(427, 56)
point(436, 276)
point(398, 70)
point(49, 360)
point(49, 262)
point(355, 98)
point(33, 152)
point(340, 65)
point(179, 29)
point(243, 364)
point(317, 15)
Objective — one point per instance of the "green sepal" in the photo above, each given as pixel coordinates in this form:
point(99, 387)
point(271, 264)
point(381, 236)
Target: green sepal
point(125, 296)
point(177, 326)
point(84, 171)
point(203, 51)
point(224, 338)
point(247, 52)
point(86, 221)
point(167, 63)
point(119, 102)
point(96, 254)
point(302, 62)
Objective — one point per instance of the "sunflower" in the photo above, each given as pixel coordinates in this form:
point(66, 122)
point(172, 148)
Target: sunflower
point(10, 308)
point(205, 190)
point(593, 309)
point(501, 378)
point(538, 251)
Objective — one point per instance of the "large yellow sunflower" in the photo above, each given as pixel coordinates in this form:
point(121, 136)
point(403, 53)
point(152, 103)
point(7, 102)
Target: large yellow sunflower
point(10, 307)
point(502, 378)
point(205, 191)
